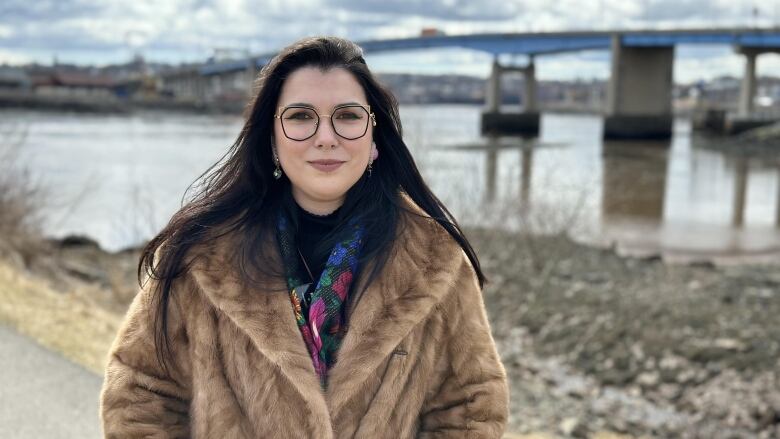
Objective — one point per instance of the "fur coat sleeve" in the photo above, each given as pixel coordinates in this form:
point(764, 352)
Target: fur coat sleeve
point(139, 398)
point(472, 400)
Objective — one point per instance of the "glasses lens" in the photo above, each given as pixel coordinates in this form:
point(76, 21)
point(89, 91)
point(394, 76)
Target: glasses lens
point(299, 123)
point(350, 122)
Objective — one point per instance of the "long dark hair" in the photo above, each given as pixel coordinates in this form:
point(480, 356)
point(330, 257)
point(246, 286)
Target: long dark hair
point(239, 195)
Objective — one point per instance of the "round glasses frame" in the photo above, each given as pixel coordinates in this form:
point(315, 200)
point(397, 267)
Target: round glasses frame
point(280, 111)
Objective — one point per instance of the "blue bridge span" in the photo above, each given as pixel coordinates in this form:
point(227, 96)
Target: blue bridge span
point(639, 94)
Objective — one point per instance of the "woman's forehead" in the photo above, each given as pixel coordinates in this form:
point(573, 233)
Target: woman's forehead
point(321, 89)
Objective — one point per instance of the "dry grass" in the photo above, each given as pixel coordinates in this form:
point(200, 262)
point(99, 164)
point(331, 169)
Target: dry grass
point(70, 323)
point(21, 199)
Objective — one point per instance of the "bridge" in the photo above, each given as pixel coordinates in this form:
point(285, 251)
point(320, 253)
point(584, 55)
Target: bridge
point(639, 96)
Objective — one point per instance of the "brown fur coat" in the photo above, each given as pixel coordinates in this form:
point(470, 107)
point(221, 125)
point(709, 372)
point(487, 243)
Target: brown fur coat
point(418, 359)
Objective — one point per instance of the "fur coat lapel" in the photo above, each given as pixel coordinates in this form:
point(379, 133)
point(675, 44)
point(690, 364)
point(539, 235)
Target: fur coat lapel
point(413, 281)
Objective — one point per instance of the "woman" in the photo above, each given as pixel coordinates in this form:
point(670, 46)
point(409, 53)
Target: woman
point(314, 287)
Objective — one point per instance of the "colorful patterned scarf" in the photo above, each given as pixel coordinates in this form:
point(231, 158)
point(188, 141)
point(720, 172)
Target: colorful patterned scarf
point(321, 322)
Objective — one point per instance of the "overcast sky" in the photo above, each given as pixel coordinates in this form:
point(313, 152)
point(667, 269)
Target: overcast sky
point(110, 31)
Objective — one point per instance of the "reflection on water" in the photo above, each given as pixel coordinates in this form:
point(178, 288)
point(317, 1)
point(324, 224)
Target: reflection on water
point(634, 181)
point(119, 178)
point(678, 198)
point(491, 149)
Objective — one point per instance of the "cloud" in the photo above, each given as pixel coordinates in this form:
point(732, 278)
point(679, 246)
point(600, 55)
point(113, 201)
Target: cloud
point(490, 10)
point(12, 57)
point(175, 30)
point(22, 11)
point(663, 10)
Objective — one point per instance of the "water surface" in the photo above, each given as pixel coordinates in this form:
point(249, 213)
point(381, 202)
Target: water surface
point(119, 178)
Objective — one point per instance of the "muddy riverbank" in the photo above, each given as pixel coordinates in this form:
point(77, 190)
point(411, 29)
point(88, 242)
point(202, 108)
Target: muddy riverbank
point(595, 341)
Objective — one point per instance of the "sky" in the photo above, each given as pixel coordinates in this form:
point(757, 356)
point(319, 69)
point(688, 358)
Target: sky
point(100, 32)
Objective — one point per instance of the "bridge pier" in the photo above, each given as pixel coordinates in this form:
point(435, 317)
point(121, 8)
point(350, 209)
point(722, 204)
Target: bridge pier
point(525, 122)
point(722, 122)
point(740, 193)
point(639, 97)
point(747, 92)
point(746, 117)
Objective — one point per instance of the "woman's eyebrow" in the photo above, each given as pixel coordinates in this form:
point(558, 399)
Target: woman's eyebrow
point(308, 105)
point(300, 104)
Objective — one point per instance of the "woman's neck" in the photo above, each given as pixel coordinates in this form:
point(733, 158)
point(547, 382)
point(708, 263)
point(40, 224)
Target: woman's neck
point(316, 207)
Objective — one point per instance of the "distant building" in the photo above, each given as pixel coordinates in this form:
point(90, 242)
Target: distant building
point(74, 84)
point(224, 83)
point(14, 78)
point(184, 85)
point(229, 86)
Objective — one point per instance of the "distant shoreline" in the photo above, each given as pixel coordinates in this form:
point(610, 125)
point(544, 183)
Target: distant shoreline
point(28, 101)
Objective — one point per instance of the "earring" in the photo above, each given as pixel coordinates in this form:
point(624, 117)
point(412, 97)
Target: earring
point(374, 155)
point(278, 171)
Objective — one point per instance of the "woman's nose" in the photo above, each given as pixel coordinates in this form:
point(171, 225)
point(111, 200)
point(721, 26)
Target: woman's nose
point(326, 135)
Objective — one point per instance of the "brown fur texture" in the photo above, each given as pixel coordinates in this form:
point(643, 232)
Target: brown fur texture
point(418, 359)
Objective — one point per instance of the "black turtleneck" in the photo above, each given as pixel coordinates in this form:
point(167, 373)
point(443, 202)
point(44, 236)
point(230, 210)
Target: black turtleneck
point(311, 230)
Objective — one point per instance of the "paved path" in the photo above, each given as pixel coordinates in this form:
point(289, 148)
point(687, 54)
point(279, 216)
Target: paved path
point(43, 395)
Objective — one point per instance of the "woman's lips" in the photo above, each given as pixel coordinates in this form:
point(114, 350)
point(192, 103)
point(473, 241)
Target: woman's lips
point(326, 165)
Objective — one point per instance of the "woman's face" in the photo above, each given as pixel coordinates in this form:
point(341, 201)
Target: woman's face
point(316, 188)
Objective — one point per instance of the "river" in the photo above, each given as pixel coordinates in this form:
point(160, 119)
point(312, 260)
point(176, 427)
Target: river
point(118, 178)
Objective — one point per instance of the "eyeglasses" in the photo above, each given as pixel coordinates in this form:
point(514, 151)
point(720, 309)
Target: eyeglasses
point(349, 121)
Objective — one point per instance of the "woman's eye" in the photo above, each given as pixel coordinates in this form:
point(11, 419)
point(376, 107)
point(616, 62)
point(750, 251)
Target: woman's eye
point(299, 115)
point(348, 115)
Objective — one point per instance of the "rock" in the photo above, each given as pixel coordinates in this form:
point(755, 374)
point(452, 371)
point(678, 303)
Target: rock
point(729, 344)
point(568, 425)
point(694, 285)
point(670, 361)
point(648, 379)
point(637, 352)
point(686, 375)
point(78, 241)
point(670, 392)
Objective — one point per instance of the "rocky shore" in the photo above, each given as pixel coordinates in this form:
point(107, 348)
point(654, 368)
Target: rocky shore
point(591, 341)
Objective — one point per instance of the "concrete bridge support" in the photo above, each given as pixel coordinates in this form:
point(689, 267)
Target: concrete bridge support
point(746, 117)
point(747, 92)
point(639, 97)
point(525, 122)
